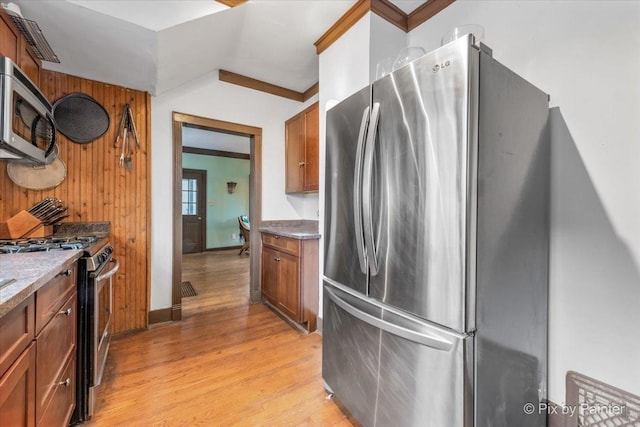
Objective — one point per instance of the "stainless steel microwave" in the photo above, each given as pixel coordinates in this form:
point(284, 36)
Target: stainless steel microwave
point(26, 118)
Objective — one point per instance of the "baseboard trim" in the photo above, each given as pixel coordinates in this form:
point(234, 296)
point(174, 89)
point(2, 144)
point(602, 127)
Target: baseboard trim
point(222, 248)
point(159, 316)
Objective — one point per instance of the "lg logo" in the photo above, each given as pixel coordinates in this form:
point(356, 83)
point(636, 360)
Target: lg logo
point(439, 67)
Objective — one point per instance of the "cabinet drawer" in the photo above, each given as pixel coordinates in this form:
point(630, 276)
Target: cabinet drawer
point(16, 332)
point(55, 345)
point(63, 397)
point(286, 244)
point(51, 296)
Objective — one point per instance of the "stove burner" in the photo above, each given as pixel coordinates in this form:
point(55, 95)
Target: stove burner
point(9, 249)
point(46, 244)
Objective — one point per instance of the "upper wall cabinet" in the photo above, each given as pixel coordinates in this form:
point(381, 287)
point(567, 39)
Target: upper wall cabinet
point(302, 152)
point(14, 46)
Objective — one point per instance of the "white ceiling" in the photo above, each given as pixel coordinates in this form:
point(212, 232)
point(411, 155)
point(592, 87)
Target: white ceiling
point(159, 45)
point(153, 15)
point(408, 6)
point(211, 140)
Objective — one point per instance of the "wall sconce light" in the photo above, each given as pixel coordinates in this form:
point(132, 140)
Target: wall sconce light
point(231, 187)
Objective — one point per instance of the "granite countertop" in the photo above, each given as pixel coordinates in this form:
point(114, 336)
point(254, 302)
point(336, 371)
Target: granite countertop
point(31, 271)
point(296, 229)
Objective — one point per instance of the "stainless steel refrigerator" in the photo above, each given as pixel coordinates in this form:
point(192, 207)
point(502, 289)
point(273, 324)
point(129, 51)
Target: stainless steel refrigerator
point(436, 245)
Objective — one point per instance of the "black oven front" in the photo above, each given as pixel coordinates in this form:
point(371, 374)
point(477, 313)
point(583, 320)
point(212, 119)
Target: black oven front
point(95, 303)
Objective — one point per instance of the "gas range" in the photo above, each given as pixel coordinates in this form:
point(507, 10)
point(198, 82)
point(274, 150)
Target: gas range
point(96, 269)
point(89, 236)
point(47, 244)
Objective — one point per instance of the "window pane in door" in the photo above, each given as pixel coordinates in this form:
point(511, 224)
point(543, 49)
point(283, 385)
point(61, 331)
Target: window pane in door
point(189, 197)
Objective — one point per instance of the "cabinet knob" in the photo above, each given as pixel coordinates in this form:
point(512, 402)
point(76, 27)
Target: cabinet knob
point(66, 382)
point(66, 312)
point(301, 164)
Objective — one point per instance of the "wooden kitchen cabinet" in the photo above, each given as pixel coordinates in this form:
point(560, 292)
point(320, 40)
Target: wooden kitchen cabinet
point(302, 151)
point(14, 46)
point(37, 356)
point(9, 37)
point(55, 385)
point(289, 287)
point(17, 388)
point(290, 277)
point(270, 273)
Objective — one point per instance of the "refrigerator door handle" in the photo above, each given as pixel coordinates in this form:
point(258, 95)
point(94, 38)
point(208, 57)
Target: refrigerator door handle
point(357, 191)
point(422, 338)
point(367, 177)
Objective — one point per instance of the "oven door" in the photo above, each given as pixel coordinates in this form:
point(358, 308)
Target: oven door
point(103, 304)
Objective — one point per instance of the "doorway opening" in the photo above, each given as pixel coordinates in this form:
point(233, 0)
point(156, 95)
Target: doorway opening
point(181, 122)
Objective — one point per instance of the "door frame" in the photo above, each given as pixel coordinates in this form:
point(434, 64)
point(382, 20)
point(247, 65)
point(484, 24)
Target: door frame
point(202, 204)
point(255, 200)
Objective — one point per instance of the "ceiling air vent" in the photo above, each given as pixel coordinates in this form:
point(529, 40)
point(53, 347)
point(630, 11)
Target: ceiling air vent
point(32, 33)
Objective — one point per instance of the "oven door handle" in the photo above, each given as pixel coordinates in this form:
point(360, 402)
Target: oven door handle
point(109, 273)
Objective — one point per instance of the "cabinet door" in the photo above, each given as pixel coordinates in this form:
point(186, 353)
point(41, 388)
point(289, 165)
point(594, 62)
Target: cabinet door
point(289, 286)
point(17, 391)
point(311, 147)
point(294, 154)
point(8, 39)
point(270, 275)
point(29, 64)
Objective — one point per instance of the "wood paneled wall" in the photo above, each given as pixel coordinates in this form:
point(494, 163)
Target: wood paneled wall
point(97, 189)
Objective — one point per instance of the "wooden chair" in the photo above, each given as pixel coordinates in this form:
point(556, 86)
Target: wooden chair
point(245, 230)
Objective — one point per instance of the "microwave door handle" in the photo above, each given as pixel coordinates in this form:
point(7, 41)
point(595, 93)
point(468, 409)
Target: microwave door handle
point(34, 134)
point(53, 130)
point(367, 201)
point(357, 192)
point(34, 126)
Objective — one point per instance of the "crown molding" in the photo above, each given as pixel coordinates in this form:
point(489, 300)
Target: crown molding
point(384, 9)
point(390, 12)
point(342, 25)
point(426, 12)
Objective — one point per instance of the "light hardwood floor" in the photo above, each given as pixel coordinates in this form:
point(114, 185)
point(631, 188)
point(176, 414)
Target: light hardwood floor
point(226, 363)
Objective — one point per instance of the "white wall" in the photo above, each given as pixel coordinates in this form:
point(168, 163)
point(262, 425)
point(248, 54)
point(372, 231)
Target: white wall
point(208, 97)
point(586, 56)
point(386, 40)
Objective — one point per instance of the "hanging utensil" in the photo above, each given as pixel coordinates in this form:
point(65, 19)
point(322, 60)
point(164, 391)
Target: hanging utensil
point(132, 123)
point(126, 131)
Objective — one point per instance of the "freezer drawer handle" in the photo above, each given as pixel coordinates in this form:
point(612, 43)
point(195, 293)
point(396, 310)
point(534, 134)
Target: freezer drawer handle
point(367, 177)
point(357, 191)
point(418, 337)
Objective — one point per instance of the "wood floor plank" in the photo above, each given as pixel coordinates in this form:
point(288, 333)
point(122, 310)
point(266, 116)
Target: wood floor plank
point(225, 364)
